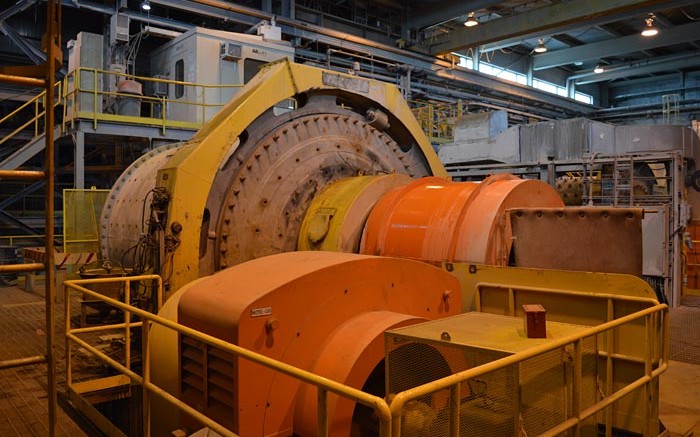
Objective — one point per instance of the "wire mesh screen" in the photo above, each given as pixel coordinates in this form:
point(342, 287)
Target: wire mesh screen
point(81, 216)
point(528, 398)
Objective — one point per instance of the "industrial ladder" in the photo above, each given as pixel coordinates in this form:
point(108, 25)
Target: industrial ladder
point(623, 181)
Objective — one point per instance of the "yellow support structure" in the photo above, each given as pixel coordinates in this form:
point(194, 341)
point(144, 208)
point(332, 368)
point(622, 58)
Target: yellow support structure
point(189, 174)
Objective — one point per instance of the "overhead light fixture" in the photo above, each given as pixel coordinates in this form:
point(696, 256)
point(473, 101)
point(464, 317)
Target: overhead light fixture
point(471, 20)
point(598, 69)
point(145, 5)
point(541, 48)
point(650, 29)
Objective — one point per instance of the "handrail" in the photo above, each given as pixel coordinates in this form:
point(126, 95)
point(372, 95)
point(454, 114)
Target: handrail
point(324, 385)
point(38, 114)
point(452, 381)
point(67, 98)
point(11, 238)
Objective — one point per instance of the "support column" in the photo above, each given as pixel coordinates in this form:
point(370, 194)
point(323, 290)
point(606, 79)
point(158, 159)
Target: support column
point(79, 160)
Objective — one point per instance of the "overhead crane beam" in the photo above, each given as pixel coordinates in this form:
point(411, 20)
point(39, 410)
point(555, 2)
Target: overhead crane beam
point(556, 18)
point(617, 46)
point(639, 68)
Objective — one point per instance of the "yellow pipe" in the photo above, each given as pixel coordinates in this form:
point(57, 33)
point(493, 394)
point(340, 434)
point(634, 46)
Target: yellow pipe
point(21, 80)
point(36, 359)
point(17, 268)
point(24, 175)
point(104, 328)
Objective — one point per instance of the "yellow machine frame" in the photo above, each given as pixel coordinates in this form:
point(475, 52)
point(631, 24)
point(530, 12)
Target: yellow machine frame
point(190, 172)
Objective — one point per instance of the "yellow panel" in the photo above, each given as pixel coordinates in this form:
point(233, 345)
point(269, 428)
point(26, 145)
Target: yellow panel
point(81, 212)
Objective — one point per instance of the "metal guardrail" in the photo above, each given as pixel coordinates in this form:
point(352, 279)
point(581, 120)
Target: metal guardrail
point(73, 91)
point(655, 322)
point(437, 120)
point(324, 385)
point(12, 240)
point(68, 91)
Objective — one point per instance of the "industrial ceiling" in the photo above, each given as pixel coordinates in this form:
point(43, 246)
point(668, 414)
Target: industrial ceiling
point(579, 35)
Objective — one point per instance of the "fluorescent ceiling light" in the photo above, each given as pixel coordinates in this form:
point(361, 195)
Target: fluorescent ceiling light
point(146, 6)
point(598, 69)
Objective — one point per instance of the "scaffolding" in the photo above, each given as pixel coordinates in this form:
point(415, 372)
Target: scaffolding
point(42, 76)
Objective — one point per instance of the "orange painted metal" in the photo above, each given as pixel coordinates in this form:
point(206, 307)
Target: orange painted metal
point(321, 311)
point(436, 220)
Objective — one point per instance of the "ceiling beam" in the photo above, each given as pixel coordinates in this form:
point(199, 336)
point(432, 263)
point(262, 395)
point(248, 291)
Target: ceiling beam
point(639, 68)
point(430, 14)
point(556, 18)
point(34, 53)
point(617, 46)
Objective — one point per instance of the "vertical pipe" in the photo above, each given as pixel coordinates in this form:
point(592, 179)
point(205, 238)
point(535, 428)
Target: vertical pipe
point(66, 303)
point(52, 35)
point(79, 160)
point(145, 397)
point(127, 323)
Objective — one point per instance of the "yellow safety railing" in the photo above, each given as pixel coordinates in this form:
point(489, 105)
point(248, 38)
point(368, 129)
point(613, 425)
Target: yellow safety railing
point(655, 361)
point(33, 113)
point(12, 240)
point(438, 119)
point(69, 92)
point(83, 102)
point(656, 340)
point(323, 385)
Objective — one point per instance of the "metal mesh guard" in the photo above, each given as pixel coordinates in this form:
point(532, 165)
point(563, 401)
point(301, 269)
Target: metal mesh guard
point(524, 399)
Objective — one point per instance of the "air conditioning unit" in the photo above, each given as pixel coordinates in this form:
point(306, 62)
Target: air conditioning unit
point(119, 28)
point(231, 51)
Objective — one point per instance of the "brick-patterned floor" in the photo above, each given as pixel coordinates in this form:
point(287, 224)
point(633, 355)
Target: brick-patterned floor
point(23, 398)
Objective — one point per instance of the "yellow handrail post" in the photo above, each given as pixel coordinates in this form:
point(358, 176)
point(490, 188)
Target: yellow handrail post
point(145, 396)
point(36, 118)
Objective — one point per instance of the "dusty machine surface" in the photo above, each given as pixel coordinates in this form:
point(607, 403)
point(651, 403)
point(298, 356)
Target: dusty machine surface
point(239, 189)
point(347, 170)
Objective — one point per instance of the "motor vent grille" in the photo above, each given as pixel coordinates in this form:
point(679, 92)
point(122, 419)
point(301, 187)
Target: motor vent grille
point(207, 380)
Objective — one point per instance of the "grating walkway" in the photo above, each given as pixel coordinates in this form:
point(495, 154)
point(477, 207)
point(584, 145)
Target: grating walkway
point(23, 398)
point(685, 334)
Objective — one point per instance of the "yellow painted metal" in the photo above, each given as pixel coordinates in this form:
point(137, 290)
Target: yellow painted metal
point(582, 298)
point(189, 174)
point(378, 404)
point(471, 275)
point(645, 315)
point(81, 212)
point(336, 217)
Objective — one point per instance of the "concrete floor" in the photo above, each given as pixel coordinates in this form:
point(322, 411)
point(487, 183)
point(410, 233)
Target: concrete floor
point(679, 409)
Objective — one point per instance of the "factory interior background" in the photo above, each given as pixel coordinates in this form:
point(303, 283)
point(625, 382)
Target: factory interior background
point(350, 218)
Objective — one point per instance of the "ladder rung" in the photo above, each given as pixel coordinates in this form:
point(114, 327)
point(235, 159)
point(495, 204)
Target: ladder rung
point(25, 175)
point(17, 268)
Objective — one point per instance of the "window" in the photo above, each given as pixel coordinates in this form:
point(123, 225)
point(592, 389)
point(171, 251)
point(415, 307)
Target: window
point(180, 77)
point(514, 76)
